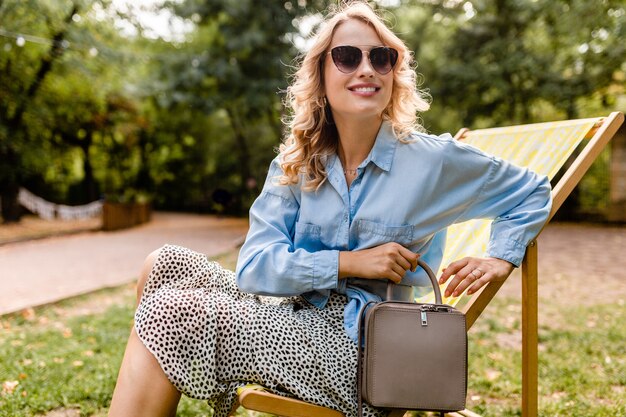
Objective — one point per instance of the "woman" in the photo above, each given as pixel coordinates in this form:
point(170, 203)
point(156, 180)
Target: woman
point(354, 198)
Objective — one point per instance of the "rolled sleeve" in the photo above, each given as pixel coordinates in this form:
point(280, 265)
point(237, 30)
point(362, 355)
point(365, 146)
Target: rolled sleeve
point(516, 198)
point(508, 250)
point(325, 270)
point(268, 262)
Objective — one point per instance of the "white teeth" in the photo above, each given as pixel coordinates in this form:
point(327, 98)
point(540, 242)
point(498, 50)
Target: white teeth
point(365, 89)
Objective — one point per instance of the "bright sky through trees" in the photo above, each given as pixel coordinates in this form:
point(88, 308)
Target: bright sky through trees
point(157, 22)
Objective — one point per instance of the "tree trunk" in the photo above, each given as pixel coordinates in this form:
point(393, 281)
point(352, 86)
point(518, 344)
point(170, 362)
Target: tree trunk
point(56, 51)
point(11, 210)
point(9, 185)
point(143, 181)
point(89, 186)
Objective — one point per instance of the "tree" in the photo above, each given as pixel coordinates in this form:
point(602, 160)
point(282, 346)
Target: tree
point(496, 62)
point(22, 84)
point(239, 60)
point(62, 82)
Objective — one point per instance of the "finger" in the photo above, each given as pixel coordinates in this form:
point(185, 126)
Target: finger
point(468, 275)
point(410, 256)
point(462, 278)
point(394, 276)
point(453, 285)
point(478, 284)
point(403, 262)
point(414, 261)
point(399, 271)
point(451, 270)
point(463, 284)
point(397, 278)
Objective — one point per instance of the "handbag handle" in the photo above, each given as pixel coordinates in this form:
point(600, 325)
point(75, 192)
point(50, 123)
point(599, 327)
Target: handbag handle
point(433, 281)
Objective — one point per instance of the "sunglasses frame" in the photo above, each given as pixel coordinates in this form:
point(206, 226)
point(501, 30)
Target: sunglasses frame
point(393, 57)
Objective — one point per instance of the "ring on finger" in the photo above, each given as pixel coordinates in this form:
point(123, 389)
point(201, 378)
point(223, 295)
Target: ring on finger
point(473, 275)
point(479, 271)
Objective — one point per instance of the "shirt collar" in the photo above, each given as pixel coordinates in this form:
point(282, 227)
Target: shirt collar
point(384, 148)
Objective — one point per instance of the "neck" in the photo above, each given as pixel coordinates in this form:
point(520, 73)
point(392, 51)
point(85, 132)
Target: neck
point(356, 140)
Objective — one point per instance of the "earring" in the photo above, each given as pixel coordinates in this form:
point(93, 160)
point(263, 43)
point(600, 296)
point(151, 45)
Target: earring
point(324, 101)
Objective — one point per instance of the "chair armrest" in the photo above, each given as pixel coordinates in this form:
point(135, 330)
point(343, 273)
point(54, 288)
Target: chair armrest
point(256, 399)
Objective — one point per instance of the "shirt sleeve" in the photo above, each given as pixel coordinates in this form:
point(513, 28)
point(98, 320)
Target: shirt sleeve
point(268, 262)
point(516, 198)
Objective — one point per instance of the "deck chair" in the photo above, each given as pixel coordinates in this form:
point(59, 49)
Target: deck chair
point(544, 148)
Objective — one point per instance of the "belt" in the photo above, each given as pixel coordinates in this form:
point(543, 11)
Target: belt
point(379, 288)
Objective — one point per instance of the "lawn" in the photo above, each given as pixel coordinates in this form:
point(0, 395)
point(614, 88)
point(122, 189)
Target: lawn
point(66, 356)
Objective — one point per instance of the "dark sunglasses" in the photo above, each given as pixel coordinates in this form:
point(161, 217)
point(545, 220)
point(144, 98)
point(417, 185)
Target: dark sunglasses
point(348, 58)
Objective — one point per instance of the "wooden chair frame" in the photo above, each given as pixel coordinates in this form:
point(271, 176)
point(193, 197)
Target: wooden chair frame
point(260, 400)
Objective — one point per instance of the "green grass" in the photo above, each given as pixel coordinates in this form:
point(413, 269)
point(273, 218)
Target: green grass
point(60, 359)
point(67, 356)
point(582, 360)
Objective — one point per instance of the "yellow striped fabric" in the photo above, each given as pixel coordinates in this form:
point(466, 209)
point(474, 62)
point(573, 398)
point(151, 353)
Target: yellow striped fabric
point(542, 147)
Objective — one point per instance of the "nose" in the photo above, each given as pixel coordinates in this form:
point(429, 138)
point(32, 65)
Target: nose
point(365, 67)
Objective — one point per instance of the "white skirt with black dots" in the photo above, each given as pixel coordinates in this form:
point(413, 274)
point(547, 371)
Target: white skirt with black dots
point(210, 338)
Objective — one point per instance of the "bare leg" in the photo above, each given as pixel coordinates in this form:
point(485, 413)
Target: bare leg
point(142, 388)
point(145, 271)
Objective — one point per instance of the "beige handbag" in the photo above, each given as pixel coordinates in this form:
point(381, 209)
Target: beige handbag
point(414, 355)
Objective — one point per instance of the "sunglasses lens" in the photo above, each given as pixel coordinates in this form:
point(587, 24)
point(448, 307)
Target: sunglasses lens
point(383, 59)
point(346, 58)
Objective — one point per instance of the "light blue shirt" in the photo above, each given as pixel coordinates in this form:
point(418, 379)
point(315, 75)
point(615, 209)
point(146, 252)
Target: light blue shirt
point(407, 193)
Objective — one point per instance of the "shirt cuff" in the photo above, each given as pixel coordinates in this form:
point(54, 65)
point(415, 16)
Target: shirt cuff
point(325, 269)
point(508, 250)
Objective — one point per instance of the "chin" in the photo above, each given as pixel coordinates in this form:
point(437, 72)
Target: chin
point(361, 112)
point(368, 113)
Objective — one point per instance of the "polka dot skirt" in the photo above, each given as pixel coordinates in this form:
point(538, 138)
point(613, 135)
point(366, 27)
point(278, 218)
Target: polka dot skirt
point(210, 338)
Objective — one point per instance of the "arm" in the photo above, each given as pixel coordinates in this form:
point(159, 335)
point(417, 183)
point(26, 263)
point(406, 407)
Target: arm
point(518, 200)
point(268, 262)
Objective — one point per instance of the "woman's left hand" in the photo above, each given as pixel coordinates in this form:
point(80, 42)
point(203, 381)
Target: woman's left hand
point(474, 273)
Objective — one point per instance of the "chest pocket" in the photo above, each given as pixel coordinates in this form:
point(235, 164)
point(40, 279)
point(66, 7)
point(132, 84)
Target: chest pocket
point(307, 236)
point(370, 234)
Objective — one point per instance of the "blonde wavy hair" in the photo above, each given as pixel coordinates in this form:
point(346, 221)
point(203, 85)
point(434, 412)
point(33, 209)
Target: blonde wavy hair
point(312, 135)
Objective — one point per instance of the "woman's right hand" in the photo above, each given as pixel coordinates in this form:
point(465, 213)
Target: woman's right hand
point(387, 261)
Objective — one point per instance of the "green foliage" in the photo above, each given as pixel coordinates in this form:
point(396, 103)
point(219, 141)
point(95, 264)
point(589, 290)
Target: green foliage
point(594, 187)
point(235, 68)
point(192, 123)
point(504, 62)
point(61, 86)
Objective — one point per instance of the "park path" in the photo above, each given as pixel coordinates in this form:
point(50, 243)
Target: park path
point(582, 263)
point(47, 270)
point(579, 263)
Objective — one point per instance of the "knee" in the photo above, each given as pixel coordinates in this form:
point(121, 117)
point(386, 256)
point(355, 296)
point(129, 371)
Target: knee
point(148, 264)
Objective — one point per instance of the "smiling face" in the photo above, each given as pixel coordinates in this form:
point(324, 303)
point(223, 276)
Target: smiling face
point(364, 93)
